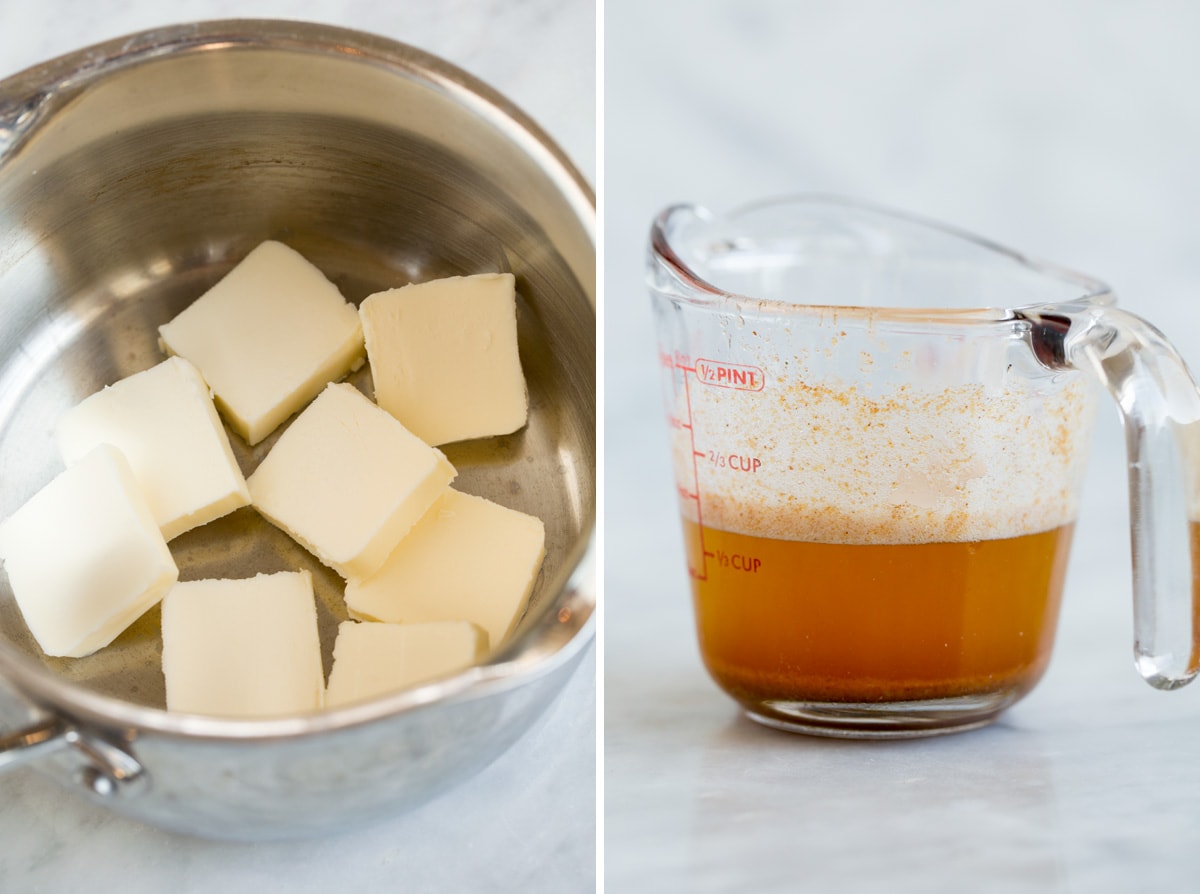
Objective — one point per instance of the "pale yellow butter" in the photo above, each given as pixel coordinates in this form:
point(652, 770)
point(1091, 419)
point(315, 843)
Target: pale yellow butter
point(348, 481)
point(444, 357)
point(164, 422)
point(85, 557)
point(467, 559)
point(242, 648)
point(375, 659)
point(267, 338)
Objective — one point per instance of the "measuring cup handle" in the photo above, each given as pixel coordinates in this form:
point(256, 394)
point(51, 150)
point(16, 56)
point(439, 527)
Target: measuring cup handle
point(1160, 410)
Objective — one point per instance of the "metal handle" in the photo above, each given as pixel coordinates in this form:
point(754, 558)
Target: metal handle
point(31, 743)
point(106, 769)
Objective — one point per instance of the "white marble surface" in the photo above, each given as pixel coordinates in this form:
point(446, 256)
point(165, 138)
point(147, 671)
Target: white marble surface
point(1069, 130)
point(528, 821)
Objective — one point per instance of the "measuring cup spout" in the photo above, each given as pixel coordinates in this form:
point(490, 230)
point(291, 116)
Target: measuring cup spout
point(1159, 404)
point(676, 225)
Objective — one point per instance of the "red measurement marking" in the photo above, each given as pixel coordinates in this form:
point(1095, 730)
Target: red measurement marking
point(739, 561)
point(682, 361)
point(738, 376)
point(687, 391)
point(736, 462)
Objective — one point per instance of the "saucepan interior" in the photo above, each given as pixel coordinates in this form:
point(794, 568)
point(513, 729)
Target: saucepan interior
point(133, 176)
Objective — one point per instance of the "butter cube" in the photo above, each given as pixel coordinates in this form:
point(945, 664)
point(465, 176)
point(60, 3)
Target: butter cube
point(444, 358)
point(347, 481)
point(85, 557)
point(164, 422)
point(267, 338)
point(467, 559)
point(243, 648)
point(375, 659)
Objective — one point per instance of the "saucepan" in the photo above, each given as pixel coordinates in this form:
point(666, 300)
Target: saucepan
point(133, 175)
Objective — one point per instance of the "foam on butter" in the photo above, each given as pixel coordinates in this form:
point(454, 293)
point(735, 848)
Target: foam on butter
point(865, 457)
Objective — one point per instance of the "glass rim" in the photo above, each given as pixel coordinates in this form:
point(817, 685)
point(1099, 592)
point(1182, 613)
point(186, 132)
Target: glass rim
point(700, 292)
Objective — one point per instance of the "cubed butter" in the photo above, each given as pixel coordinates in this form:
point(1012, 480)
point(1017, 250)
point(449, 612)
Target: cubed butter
point(267, 338)
point(348, 481)
point(85, 557)
point(443, 357)
point(375, 659)
point(467, 559)
point(164, 422)
point(243, 648)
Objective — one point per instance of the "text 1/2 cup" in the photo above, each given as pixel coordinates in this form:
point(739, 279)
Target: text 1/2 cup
point(879, 428)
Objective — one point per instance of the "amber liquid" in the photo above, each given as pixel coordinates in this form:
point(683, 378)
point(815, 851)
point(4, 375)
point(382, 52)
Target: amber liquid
point(789, 621)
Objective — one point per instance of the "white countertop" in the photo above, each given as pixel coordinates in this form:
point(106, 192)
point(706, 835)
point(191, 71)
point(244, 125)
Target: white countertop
point(1069, 130)
point(527, 822)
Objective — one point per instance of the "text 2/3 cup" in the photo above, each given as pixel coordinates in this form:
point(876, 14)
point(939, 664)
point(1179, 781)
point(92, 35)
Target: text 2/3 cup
point(879, 428)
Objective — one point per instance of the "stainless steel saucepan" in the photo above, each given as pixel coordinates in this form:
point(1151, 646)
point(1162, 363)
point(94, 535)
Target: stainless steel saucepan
point(133, 175)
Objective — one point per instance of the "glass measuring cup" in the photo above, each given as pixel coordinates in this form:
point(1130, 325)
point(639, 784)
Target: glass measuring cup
point(879, 427)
